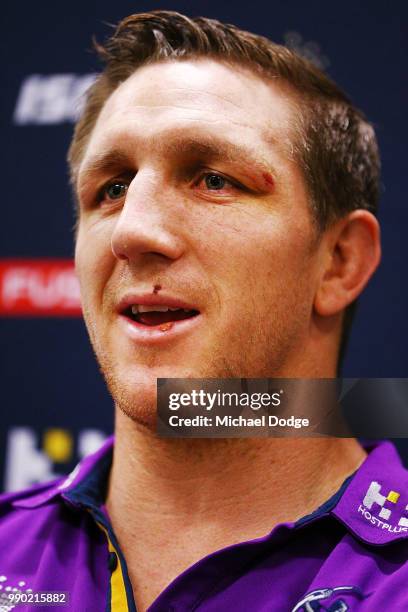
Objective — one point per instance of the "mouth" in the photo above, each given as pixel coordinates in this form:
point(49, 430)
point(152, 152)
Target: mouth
point(148, 319)
point(158, 316)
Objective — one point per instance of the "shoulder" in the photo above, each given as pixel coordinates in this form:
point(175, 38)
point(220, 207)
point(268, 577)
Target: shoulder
point(25, 513)
point(364, 563)
point(53, 514)
point(39, 527)
point(9, 499)
point(46, 539)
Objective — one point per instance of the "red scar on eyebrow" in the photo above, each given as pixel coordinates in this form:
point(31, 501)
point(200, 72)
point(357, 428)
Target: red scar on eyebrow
point(156, 288)
point(268, 178)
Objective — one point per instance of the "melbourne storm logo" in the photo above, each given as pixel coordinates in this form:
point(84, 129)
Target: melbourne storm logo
point(379, 509)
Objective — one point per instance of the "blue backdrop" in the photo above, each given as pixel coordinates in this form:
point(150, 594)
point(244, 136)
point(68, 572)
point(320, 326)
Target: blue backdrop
point(54, 404)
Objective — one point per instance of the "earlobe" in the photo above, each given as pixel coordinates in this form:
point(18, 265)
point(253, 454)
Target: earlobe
point(352, 254)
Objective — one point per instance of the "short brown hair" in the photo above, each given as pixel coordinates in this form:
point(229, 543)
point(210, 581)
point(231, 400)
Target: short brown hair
point(335, 146)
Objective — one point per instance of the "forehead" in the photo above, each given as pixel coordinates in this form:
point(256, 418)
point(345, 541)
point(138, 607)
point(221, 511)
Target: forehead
point(170, 99)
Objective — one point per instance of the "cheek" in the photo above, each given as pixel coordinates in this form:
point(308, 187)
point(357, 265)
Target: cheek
point(93, 261)
point(259, 252)
point(264, 276)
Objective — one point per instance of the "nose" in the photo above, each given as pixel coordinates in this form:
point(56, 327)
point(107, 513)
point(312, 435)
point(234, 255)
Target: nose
point(147, 224)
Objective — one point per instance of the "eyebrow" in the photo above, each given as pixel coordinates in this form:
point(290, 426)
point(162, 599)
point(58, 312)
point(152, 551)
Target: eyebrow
point(212, 147)
point(208, 148)
point(103, 163)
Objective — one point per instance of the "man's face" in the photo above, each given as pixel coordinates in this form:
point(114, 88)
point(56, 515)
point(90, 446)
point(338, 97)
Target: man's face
point(189, 199)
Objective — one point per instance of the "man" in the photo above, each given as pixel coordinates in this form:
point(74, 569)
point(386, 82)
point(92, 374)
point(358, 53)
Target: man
point(226, 192)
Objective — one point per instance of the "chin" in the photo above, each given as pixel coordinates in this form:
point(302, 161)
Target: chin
point(145, 420)
point(134, 392)
point(139, 404)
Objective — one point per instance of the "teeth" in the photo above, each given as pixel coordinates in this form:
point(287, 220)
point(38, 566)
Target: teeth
point(156, 308)
point(136, 308)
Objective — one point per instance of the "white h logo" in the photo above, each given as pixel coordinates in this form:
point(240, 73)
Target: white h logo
point(373, 496)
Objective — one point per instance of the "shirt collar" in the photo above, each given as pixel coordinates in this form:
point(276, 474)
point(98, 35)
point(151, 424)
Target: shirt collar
point(84, 486)
point(372, 504)
point(374, 507)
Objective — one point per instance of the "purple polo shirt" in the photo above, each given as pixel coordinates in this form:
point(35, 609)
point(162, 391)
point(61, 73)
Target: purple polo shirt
point(350, 554)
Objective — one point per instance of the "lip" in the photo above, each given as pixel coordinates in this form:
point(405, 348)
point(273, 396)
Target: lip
point(157, 334)
point(150, 299)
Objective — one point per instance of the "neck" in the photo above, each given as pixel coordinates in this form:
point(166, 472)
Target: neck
point(206, 494)
point(191, 477)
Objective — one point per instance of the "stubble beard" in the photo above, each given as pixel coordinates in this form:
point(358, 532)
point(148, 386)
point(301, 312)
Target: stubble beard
point(248, 356)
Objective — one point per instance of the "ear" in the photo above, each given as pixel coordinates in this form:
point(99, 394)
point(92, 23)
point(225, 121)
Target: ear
point(351, 253)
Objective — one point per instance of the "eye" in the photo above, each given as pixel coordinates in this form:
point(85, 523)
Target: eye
point(215, 182)
point(113, 191)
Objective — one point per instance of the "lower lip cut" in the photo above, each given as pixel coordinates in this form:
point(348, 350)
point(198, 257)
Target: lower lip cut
point(151, 333)
point(166, 326)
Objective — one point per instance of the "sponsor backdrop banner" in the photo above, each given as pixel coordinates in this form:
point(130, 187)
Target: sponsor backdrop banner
point(55, 408)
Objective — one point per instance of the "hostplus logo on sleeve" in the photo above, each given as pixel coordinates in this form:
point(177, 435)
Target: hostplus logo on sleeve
point(383, 510)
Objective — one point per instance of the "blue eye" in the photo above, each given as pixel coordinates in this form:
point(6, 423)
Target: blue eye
point(215, 181)
point(115, 190)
